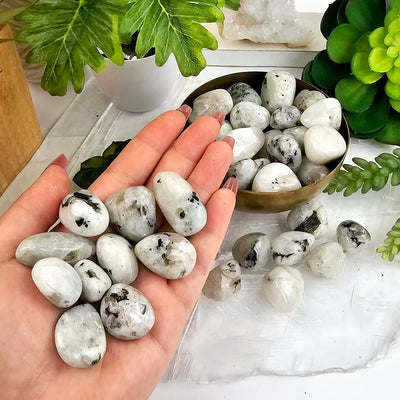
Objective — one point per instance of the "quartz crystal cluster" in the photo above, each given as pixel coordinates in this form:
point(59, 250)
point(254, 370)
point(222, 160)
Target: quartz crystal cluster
point(283, 259)
point(73, 272)
point(283, 140)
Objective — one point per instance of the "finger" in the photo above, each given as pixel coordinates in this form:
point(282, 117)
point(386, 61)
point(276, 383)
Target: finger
point(136, 162)
point(188, 149)
point(35, 211)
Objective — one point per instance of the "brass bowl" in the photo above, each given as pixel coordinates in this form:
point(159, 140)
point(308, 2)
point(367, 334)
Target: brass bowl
point(271, 202)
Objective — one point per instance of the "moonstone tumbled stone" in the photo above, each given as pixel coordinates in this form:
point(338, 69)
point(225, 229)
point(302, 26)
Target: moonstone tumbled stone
point(223, 281)
point(246, 114)
point(244, 171)
point(298, 133)
point(179, 203)
point(132, 212)
point(283, 287)
point(309, 173)
point(310, 217)
point(84, 214)
point(169, 255)
point(80, 337)
point(210, 102)
point(326, 260)
point(126, 313)
point(242, 91)
point(252, 250)
point(323, 144)
point(248, 141)
point(285, 117)
point(352, 236)
point(116, 256)
point(57, 281)
point(278, 89)
point(225, 129)
point(285, 149)
point(327, 111)
point(95, 281)
point(306, 98)
point(275, 177)
point(66, 246)
point(290, 248)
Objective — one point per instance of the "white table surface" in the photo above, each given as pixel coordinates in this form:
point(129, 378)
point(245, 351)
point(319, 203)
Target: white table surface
point(378, 381)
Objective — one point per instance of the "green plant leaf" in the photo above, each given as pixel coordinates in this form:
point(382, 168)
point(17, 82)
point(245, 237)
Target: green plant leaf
point(11, 13)
point(365, 15)
point(362, 44)
point(361, 69)
point(392, 90)
point(232, 4)
point(391, 16)
point(341, 44)
point(341, 15)
point(354, 95)
point(329, 20)
point(379, 61)
point(306, 74)
point(66, 35)
point(179, 30)
point(377, 37)
point(390, 132)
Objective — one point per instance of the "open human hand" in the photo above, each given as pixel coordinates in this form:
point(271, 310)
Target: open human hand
point(30, 367)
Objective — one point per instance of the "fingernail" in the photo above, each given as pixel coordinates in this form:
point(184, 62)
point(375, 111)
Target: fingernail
point(219, 116)
point(232, 184)
point(230, 140)
point(185, 110)
point(61, 161)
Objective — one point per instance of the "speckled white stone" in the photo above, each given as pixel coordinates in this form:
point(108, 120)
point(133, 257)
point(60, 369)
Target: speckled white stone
point(278, 89)
point(326, 260)
point(223, 281)
point(242, 91)
point(244, 171)
point(289, 248)
point(210, 102)
point(323, 144)
point(285, 149)
point(248, 141)
point(246, 114)
point(298, 133)
point(84, 214)
point(285, 117)
point(283, 287)
point(116, 256)
point(66, 246)
point(275, 177)
point(327, 111)
point(132, 212)
point(179, 203)
point(352, 236)
point(80, 336)
point(305, 98)
point(309, 173)
point(252, 250)
point(169, 255)
point(57, 281)
point(126, 313)
point(95, 281)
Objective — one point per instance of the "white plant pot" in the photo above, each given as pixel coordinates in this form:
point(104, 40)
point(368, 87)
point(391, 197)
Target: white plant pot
point(139, 85)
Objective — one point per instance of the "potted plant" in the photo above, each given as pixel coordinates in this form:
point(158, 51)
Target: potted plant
point(67, 35)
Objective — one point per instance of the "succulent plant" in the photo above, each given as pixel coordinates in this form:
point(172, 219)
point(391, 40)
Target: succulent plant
point(361, 65)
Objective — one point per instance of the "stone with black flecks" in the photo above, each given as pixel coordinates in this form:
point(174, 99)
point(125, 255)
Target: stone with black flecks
point(285, 117)
point(352, 236)
point(278, 89)
point(242, 91)
point(252, 250)
point(246, 114)
point(169, 255)
point(305, 98)
point(285, 149)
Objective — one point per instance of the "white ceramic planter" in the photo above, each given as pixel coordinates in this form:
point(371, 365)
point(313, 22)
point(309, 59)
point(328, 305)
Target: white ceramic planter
point(139, 85)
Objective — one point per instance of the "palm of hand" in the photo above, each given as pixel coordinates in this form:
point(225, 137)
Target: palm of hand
point(30, 367)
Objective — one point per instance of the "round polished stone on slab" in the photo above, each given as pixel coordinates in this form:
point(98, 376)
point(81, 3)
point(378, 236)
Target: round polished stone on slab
point(57, 281)
point(126, 313)
point(80, 336)
point(252, 250)
point(352, 236)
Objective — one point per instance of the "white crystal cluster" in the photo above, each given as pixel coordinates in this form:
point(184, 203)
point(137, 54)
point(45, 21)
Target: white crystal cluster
point(266, 21)
point(72, 272)
point(285, 257)
point(283, 140)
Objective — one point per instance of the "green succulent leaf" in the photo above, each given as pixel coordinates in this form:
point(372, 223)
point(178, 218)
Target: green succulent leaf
point(354, 95)
point(306, 74)
point(179, 30)
point(329, 20)
point(392, 247)
point(365, 15)
point(379, 61)
point(395, 104)
point(390, 132)
point(362, 44)
point(391, 16)
point(392, 90)
point(361, 69)
point(377, 37)
point(341, 15)
point(341, 44)
point(66, 35)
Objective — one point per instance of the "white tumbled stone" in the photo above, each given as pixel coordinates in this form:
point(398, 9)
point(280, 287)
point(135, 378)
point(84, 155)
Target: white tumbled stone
point(310, 173)
point(242, 91)
point(275, 177)
point(252, 250)
point(116, 256)
point(84, 213)
point(132, 212)
point(169, 255)
point(210, 102)
point(285, 117)
point(305, 98)
point(285, 149)
point(80, 337)
point(327, 111)
point(248, 141)
point(95, 281)
point(126, 313)
point(323, 144)
point(179, 203)
point(246, 114)
point(278, 89)
point(57, 281)
point(352, 236)
point(244, 171)
point(225, 129)
point(298, 133)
